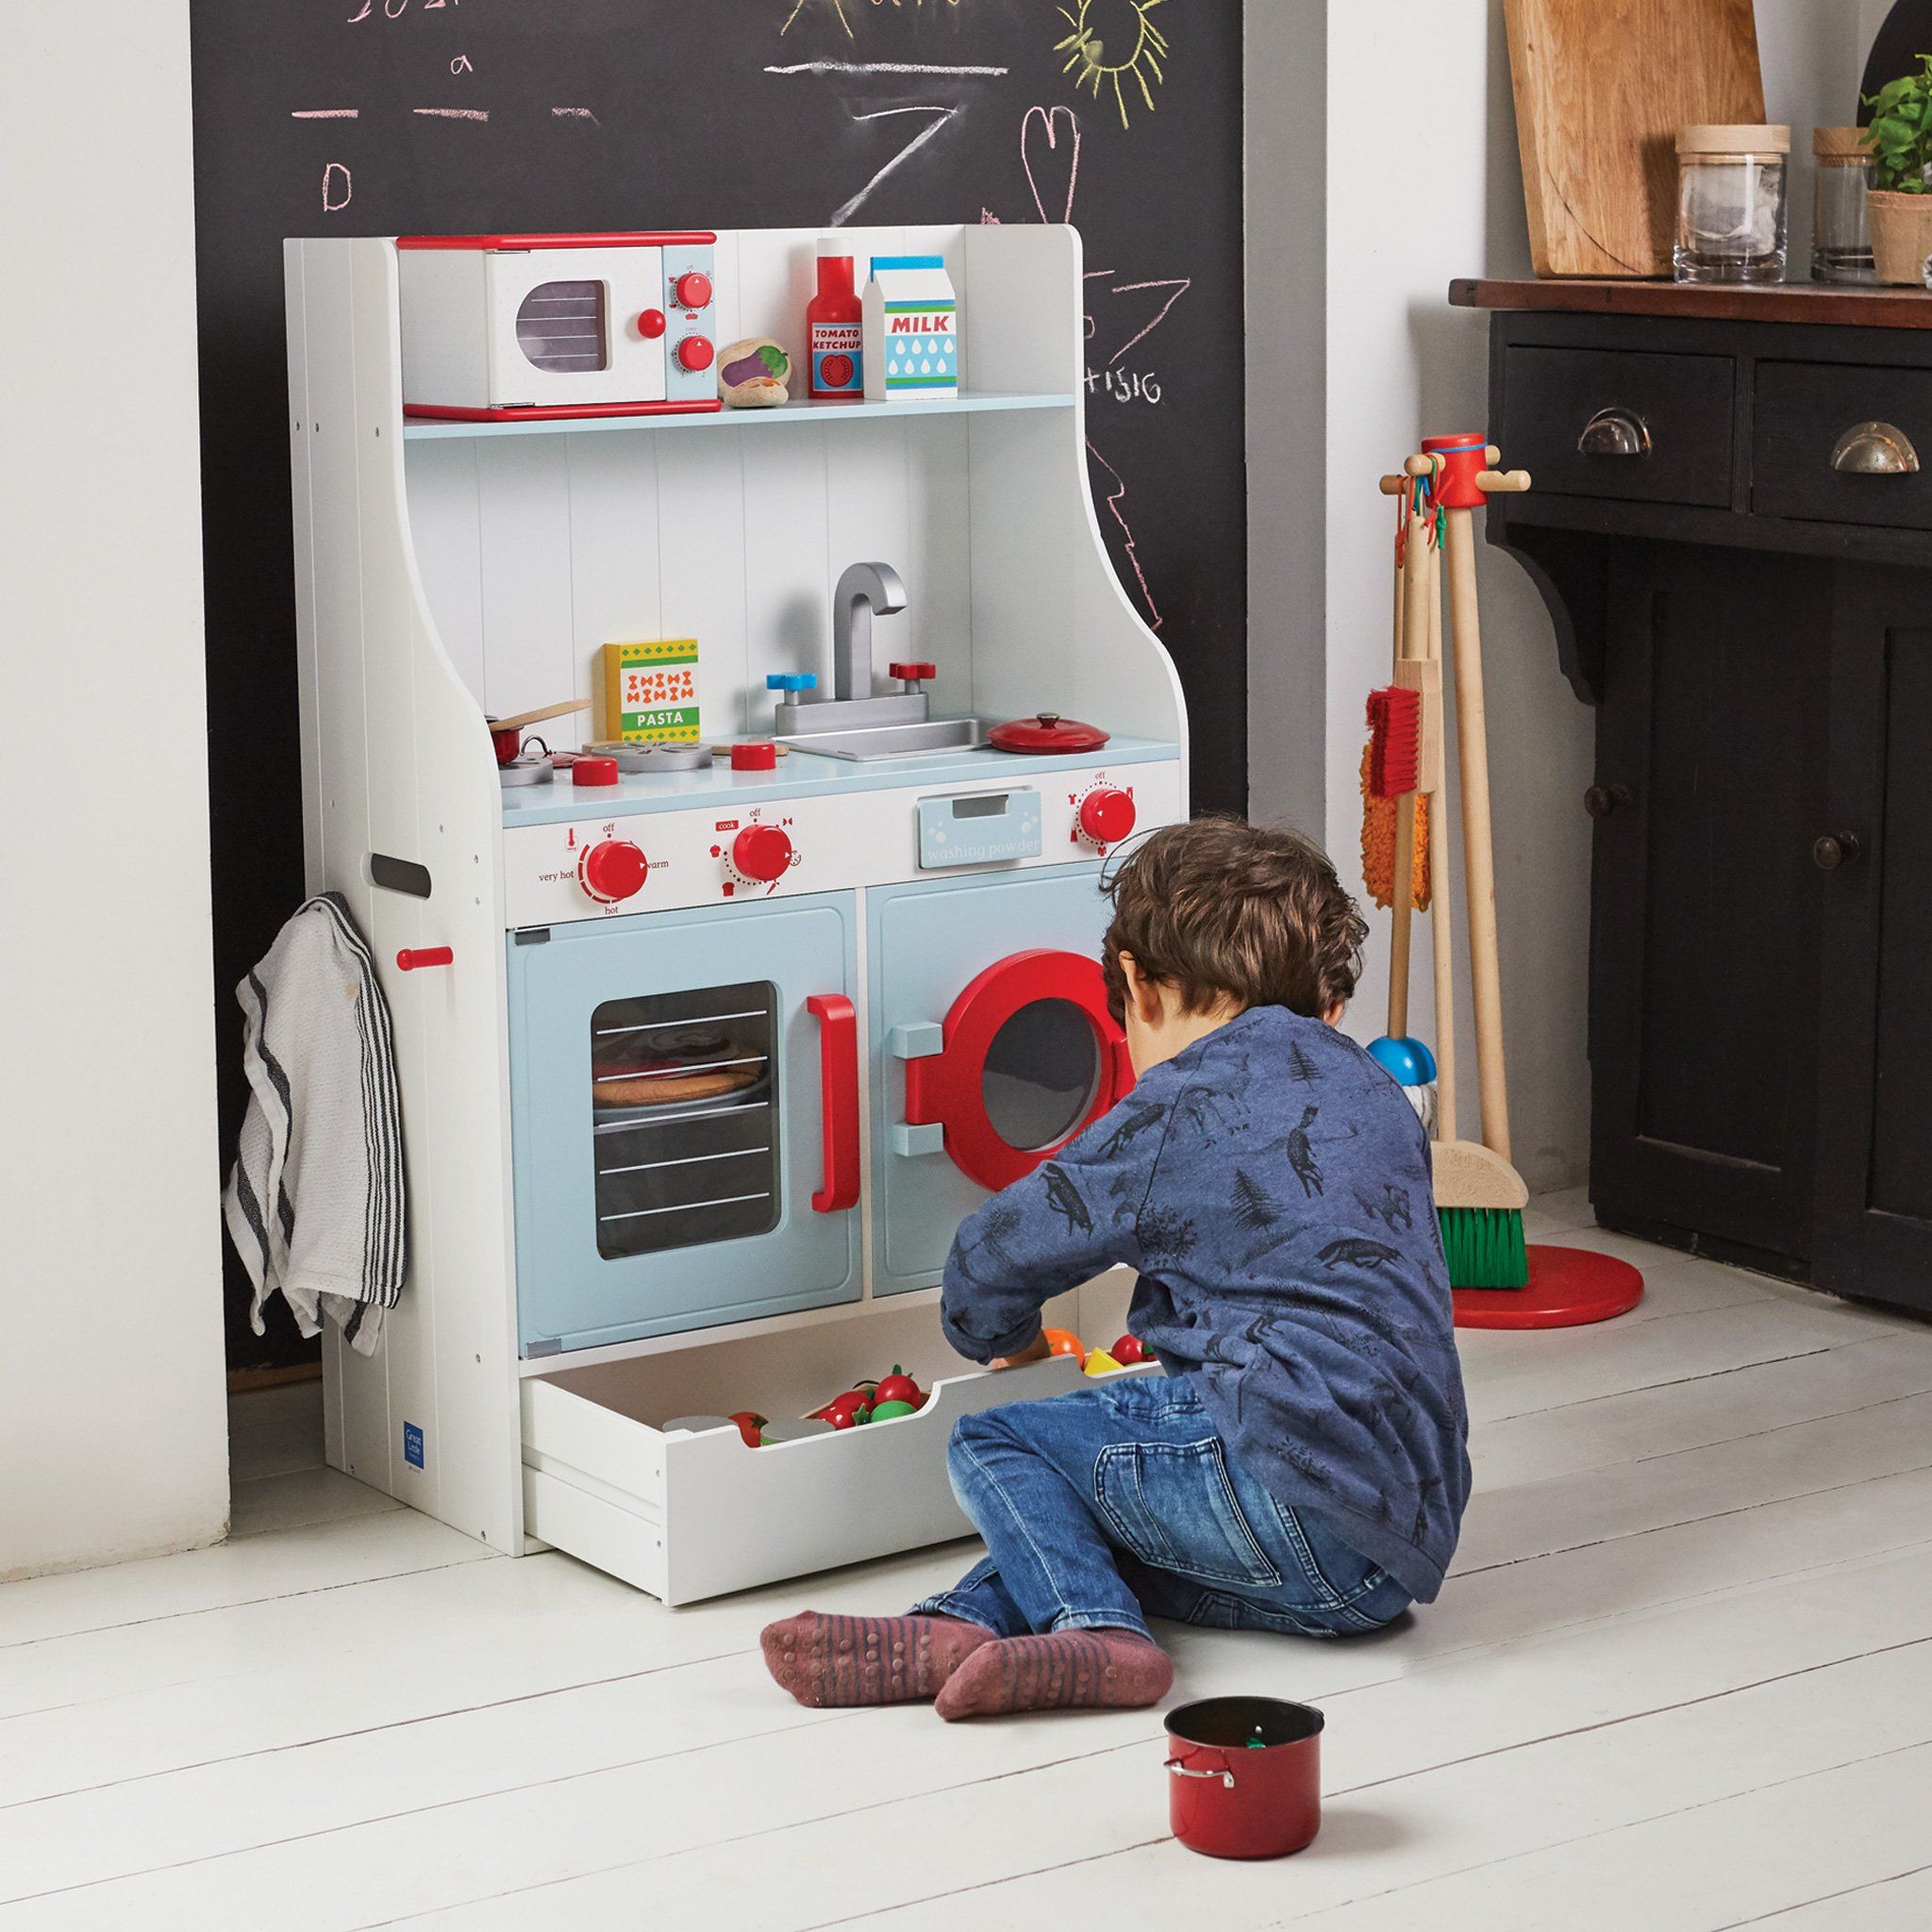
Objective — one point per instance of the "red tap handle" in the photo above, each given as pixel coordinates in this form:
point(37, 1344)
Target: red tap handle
point(908, 673)
point(838, 1078)
point(412, 957)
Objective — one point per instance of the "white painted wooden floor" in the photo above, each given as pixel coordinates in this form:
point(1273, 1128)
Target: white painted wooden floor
point(1681, 1679)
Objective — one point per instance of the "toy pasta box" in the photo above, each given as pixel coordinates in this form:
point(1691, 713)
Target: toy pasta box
point(651, 690)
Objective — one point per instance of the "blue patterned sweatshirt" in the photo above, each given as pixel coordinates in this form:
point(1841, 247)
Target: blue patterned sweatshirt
point(1271, 1184)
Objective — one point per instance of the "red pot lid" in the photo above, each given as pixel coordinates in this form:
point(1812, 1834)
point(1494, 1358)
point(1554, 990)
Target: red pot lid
point(1047, 732)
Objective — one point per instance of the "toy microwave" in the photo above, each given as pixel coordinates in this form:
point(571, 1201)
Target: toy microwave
point(502, 326)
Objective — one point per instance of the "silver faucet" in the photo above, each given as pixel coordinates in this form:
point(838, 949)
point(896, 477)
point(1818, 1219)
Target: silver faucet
point(865, 591)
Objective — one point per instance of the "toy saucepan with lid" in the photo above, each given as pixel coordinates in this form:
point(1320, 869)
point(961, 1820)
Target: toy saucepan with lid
point(1245, 1776)
point(1045, 734)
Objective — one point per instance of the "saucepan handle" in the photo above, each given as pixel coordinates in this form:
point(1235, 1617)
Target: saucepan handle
point(1180, 1770)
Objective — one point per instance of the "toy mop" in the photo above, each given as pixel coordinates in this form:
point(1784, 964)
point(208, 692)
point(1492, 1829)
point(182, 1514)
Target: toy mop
point(1480, 1196)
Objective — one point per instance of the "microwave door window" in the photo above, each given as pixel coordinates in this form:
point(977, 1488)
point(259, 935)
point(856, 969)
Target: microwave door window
point(686, 1116)
point(562, 327)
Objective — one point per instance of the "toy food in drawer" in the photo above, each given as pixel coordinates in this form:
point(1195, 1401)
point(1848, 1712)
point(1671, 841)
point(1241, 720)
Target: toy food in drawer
point(502, 326)
point(691, 1515)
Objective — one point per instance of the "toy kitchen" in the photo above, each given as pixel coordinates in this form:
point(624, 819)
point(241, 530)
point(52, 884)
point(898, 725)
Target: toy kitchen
point(707, 1041)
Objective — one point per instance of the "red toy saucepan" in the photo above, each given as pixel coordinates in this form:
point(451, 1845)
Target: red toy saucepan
point(1245, 1776)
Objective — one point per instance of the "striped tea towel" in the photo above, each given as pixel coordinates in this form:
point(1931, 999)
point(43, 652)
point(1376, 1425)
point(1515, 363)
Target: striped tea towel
point(315, 1203)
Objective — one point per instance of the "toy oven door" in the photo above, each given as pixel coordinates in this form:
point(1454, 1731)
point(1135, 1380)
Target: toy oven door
point(569, 326)
point(685, 1119)
point(996, 1046)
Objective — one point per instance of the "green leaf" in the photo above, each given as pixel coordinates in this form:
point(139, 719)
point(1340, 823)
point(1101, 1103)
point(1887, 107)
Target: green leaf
point(775, 358)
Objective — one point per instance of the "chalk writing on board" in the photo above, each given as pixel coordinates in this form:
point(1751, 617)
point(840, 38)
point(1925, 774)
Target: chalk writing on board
point(1115, 497)
point(454, 113)
point(798, 7)
point(845, 212)
point(1101, 29)
point(886, 67)
point(1052, 126)
point(576, 114)
point(337, 187)
point(461, 65)
point(323, 114)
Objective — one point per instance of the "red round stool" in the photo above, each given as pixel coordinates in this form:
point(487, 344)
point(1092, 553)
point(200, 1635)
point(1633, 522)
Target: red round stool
point(1569, 1288)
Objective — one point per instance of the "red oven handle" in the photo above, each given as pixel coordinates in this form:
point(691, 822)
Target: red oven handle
point(839, 1088)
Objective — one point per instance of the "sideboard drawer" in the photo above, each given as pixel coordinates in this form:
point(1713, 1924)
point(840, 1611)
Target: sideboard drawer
point(1627, 426)
point(1802, 411)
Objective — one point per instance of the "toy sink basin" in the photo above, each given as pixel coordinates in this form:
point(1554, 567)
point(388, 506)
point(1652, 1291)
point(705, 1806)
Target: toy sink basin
point(866, 744)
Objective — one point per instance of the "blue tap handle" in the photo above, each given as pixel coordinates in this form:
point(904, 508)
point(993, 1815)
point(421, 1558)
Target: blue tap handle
point(791, 680)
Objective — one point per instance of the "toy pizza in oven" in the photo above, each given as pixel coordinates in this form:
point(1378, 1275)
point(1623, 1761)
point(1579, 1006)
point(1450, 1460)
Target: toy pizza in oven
point(690, 1066)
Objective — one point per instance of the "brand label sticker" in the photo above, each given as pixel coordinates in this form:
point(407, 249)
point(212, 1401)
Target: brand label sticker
point(412, 1444)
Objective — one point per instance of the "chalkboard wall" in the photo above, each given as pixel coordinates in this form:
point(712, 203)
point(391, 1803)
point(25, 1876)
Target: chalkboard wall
point(378, 117)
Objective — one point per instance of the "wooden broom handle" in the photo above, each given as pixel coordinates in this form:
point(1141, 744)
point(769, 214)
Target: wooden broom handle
point(1478, 850)
point(1414, 632)
point(1441, 928)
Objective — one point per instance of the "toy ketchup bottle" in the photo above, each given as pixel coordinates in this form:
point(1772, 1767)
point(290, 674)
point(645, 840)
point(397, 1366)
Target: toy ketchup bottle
point(834, 326)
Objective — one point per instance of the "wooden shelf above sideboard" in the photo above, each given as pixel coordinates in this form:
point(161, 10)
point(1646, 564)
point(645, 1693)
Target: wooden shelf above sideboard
point(1809, 302)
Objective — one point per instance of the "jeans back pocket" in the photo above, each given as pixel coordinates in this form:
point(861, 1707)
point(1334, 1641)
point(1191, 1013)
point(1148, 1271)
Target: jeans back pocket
point(1173, 1505)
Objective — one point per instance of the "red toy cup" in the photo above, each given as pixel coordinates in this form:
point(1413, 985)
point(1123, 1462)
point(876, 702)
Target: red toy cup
point(1245, 1776)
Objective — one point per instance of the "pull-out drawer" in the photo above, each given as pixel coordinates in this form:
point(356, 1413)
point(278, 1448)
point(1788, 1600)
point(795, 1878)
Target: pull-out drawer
point(688, 1516)
point(1841, 444)
point(1620, 423)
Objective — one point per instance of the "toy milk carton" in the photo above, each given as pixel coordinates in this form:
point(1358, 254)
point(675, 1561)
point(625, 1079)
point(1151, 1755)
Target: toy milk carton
point(912, 330)
point(651, 690)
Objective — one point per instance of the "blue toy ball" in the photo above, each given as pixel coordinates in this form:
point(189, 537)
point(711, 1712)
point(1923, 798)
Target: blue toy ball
point(1408, 1061)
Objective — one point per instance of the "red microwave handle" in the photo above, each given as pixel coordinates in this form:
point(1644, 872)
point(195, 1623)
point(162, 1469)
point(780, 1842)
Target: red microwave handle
point(839, 1087)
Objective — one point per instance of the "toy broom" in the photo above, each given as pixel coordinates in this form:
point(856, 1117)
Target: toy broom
point(1479, 1195)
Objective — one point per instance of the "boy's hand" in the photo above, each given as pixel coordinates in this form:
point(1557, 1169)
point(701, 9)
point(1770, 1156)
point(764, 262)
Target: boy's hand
point(1035, 1351)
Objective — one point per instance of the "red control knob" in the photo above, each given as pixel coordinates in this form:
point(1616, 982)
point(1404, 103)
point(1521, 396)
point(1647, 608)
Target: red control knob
point(695, 353)
point(1107, 816)
point(692, 290)
point(612, 870)
point(762, 853)
point(651, 323)
point(907, 674)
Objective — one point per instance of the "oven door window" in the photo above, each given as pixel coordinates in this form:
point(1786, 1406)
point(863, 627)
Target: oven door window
point(1042, 1072)
point(686, 1118)
point(561, 328)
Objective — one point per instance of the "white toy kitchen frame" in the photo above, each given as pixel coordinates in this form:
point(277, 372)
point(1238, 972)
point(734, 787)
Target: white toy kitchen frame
point(444, 569)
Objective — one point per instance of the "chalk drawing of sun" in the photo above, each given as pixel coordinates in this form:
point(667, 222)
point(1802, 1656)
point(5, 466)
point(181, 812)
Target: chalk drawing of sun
point(1101, 29)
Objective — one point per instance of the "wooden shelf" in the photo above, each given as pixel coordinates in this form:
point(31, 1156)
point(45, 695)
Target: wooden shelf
point(1804, 302)
point(418, 428)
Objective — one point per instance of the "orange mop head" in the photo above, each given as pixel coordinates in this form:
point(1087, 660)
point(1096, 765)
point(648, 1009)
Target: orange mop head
point(1390, 763)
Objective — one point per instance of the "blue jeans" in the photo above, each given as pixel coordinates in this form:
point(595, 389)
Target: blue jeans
point(1114, 1503)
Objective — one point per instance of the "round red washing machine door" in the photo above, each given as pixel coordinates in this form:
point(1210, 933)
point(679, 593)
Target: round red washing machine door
point(1031, 1057)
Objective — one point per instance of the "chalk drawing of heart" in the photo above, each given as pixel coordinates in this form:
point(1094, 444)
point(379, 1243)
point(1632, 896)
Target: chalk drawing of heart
point(1058, 158)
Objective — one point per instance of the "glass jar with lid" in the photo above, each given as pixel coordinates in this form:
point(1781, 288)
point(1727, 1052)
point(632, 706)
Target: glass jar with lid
point(1840, 231)
point(1732, 214)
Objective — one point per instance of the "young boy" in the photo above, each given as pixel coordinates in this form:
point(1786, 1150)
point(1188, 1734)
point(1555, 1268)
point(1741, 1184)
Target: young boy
point(1302, 1465)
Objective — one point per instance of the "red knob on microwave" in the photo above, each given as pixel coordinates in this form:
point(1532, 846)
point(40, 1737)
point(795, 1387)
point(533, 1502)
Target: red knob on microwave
point(695, 353)
point(762, 854)
point(651, 323)
point(1107, 816)
point(692, 290)
point(612, 870)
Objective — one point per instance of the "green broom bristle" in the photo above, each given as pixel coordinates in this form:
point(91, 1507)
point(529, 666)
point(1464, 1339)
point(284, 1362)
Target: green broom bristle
point(1485, 1247)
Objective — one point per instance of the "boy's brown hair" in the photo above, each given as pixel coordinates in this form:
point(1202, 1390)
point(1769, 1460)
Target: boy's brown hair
point(1218, 909)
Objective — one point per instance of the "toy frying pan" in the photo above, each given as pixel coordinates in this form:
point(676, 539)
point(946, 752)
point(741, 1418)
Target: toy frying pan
point(506, 734)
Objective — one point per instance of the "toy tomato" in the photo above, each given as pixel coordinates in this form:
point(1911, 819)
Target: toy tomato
point(751, 1426)
point(1064, 1342)
point(898, 1386)
point(846, 1412)
point(1128, 1351)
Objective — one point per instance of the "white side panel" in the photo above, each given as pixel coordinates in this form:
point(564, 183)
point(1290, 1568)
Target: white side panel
point(445, 328)
point(596, 1526)
point(342, 711)
point(446, 529)
point(1027, 322)
point(300, 445)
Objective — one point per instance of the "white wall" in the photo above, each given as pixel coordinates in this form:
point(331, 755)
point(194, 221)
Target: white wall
point(113, 1425)
point(1400, 363)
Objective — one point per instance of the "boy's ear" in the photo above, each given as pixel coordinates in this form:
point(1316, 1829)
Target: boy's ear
point(1143, 994)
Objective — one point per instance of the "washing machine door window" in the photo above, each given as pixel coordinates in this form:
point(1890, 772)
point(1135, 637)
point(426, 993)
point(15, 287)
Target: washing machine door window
point(1041, 1073)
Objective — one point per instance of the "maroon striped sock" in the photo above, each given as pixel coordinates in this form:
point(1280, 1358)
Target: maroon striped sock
point(1067, 1670)
point(845, 1660)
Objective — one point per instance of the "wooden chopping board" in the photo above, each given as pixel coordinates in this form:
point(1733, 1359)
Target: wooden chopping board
point(1601, 88)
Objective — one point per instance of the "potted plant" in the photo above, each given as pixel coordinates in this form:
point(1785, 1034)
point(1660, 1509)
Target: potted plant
point(1900, 204)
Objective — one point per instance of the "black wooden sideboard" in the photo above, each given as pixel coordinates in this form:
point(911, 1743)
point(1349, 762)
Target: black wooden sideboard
point(1732, 529)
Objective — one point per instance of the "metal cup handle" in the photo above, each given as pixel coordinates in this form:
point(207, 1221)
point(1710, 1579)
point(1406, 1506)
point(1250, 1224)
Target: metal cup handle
point(1180, 1770)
